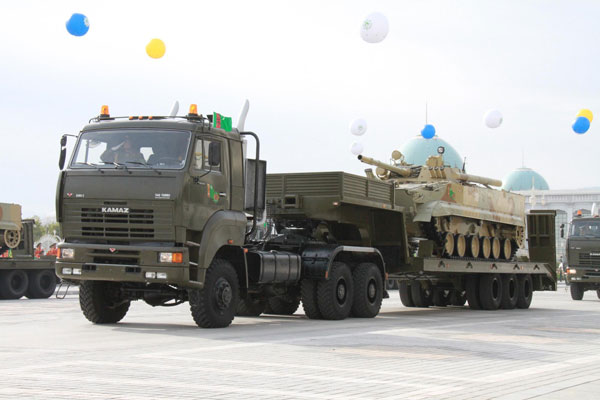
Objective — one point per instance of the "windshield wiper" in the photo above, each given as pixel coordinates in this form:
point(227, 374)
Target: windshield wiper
point(117, 165)
point(91, 165)
point(146, 164)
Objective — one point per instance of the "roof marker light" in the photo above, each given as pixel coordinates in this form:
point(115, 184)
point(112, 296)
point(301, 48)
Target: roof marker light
point(193, 110)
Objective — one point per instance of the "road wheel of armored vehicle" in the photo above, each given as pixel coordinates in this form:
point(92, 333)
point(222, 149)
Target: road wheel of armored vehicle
point(525, 291)
point(461, 245)
point(282, 305)
point(308, 290)
point(335, 295)
point(13, 284)
point(486, 247)
point(101, 302)
point(251, 307)
point(405, 294)
point(577, 291)
point(458, 298)
point(472, 291)
point(12, 238)
point(421, 297)
point(440, 297)
point(474, 245)
point(42, 284)
point(449, 244)
point(368, 291)
point(510, 292)
point(490, 291)
point(506, 249)
point(496, 248)
point(214, 306)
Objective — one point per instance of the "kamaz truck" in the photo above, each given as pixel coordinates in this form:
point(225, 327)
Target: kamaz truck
point(173, 209)
point(583, 256)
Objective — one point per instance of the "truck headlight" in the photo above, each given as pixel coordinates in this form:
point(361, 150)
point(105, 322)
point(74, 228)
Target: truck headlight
point(170, 258)
point(67, 253)
point(67, 271)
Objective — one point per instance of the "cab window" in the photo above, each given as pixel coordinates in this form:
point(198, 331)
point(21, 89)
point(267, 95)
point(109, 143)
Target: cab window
point(201, 153)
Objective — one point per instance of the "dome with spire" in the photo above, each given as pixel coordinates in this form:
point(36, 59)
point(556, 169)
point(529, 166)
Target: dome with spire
point(524, 179)
point(417, 149)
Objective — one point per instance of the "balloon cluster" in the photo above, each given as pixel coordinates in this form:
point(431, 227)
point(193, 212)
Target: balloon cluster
point(358, 127)
point(582, 122)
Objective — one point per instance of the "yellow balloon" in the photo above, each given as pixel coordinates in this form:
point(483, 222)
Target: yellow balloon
point(586, 113)
point(156, 48)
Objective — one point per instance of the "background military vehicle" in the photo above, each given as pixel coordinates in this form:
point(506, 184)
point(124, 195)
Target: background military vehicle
point(583, 256)
point(21, 274)
point(182, 218)
point(10, 226)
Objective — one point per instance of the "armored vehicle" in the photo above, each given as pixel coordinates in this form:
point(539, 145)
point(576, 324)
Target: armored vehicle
point(583, 256)
point(10, 226)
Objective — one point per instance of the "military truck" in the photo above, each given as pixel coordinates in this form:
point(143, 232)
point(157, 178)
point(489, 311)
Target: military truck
point(21, 274)
point(170, 209)
point(583, 255)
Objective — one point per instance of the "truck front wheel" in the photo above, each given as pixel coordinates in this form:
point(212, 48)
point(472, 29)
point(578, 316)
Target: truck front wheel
point(101, 302)
point(335, 294)
point(368, 291)
point(214, 306)
point(577, 291)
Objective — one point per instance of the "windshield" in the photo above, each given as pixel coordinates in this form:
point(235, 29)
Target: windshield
point(139, 148)
point(585, 229)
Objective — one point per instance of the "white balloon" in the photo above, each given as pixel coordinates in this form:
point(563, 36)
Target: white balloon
point(374, 28)
point(358, 127)
point(493, 119)
point(357, 148)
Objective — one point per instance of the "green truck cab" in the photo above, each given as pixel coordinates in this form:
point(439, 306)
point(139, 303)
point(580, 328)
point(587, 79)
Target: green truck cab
point(583, 256)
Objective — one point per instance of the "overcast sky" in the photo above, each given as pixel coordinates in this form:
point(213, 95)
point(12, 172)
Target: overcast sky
point(308, 74)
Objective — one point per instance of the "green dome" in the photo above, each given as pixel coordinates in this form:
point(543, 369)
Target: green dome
point(524, 179)
point(417, 149)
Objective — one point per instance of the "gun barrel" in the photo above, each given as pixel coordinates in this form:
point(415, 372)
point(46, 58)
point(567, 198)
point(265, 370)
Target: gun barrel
point(479, 179)
point(397, 170)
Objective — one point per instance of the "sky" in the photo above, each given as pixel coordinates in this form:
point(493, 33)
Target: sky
point(308, 74)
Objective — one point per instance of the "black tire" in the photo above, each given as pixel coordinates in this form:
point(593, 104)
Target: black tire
point(405, 295)
point(598, 293)
point(421, 297)
point(42, 284)
point(458, 298)
point(250, 307)
point(368, 291)
point(391, 284)
point(308, 293)
point(214, 306)
point(441, 297)
point(335, 295)
point(525, 291)
point(101, 302)
point(282, 305)
point(577, 291)
point(510, 292)
point(472, 291)
point(13, 284)
point(490, 291)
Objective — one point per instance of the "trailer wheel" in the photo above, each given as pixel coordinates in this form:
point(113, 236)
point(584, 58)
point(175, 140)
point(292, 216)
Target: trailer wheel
point(510, 292)
point(368, 291)
point(282, 305)
point(251, 307)
point(458, 298)
point(214, 305)
point(101, 302)
point(490, 291)
point(441, 297)
point(42, 284)
point(13, 284)
point(472, 291)
point(421, 297)
point(598, 293)
point(335, 294)
point(310, 304)
point(405, 295)
point(525, 291)
point(577, 291)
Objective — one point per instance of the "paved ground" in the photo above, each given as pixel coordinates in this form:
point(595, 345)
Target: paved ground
point(551, 351)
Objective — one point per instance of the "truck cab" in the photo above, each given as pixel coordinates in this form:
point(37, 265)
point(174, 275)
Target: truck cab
point(583, 255)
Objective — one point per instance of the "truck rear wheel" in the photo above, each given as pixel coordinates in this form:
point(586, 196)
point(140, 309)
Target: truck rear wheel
point(458, 298)
point(421, 297)
point(405, 295)
point(42, 284)
point(472, 290)
point(598, 293)
point(101, 302)
point(214, 305)
point(368, 291)
point(251, 307)
point(441, 297)
point(525, 291)
point(576, 291)
point(282, 305)
point(335, 294)
point(310, 305)
point(510, 292)
point(490, 291)
point(13, 284)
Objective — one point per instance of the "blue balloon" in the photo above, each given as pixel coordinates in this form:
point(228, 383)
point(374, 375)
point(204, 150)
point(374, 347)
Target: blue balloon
point(581, 125)
point(428, 131)
point(78, 25)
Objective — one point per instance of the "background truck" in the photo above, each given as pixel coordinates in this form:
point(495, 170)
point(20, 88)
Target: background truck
point(21, 274)
point(583, 256)
point(169, 209)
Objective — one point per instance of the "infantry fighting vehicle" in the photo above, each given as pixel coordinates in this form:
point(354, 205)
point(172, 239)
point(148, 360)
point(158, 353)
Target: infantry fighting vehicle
point(10, 226)
point(583, 255)
point(169, 209)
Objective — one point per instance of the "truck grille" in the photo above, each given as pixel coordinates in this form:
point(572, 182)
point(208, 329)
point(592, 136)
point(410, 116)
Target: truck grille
point(589, 259)
point(121, 257)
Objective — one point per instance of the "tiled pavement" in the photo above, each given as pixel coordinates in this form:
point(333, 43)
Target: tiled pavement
point(551, 351)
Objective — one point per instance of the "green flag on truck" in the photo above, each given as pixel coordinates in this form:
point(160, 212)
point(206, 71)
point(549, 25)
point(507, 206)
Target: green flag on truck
point(220, 121)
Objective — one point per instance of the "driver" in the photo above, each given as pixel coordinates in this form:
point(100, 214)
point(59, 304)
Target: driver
point(123, 152)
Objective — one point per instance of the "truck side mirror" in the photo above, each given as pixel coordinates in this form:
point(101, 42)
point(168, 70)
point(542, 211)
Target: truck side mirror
point(63, 152)
point(214, 154)
point(63, 141)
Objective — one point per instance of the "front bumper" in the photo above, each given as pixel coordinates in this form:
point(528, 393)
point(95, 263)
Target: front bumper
point(589, 275)
point(124, 264)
